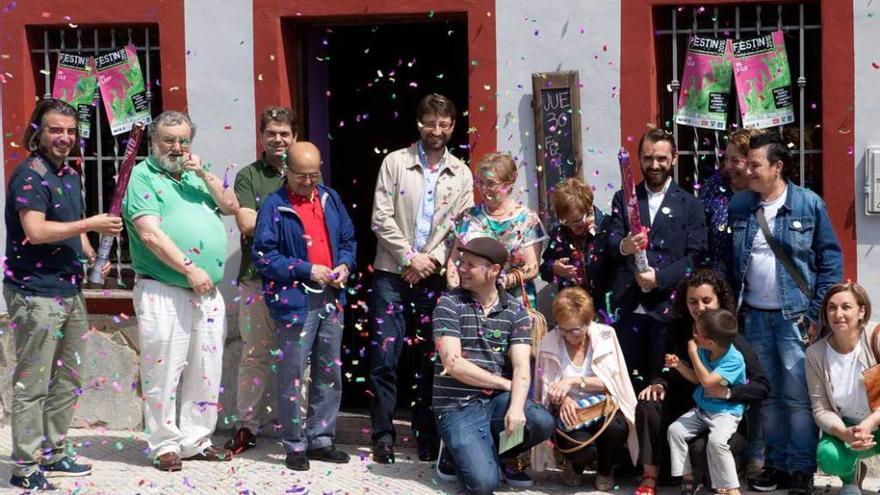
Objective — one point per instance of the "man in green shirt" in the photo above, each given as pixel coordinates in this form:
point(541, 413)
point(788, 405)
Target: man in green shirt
point(172, 212)
point(253, 185)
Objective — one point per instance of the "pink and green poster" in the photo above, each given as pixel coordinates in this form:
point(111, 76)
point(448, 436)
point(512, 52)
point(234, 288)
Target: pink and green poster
point(763, 81)
point(705, 84)
point(75, 83)
point(122, 89)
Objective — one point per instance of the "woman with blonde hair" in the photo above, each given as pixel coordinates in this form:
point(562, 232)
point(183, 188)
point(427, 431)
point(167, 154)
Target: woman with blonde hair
point(837, 390)
point(580, 360)
point(499, 216)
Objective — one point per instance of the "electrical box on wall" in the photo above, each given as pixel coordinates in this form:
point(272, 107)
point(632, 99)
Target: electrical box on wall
point(872, 180)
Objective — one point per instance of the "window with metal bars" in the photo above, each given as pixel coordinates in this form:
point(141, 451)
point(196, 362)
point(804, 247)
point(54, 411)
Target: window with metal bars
point(700, 150)
point(103, 152)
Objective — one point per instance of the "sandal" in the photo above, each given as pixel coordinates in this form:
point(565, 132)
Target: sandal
point(644, 489)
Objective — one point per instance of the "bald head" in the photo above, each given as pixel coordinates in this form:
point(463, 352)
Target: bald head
point(304, 170)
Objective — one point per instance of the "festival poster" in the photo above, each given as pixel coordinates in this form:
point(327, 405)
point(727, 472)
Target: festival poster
point(122, 89)
point(763, 81)
point(75, 83)
point(705, 84)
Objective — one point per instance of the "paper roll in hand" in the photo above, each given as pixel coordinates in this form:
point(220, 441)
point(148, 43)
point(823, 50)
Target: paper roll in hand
point(134, 141)
point(632, 207)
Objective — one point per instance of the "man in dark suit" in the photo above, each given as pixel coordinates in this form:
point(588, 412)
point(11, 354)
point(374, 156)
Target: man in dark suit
point(675, 241)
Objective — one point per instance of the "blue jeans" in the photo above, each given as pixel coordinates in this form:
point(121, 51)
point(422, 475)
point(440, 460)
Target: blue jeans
point(787, 420)
point(470, 434)
point(401, 317)
point(319, 338)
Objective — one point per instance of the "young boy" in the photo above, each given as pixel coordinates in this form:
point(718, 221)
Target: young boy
point(716, 363)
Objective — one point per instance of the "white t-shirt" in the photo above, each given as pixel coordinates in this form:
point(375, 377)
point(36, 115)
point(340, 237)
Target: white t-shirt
point(570, 370)
point(850, 396)
point(655, 199)
point(762, 287)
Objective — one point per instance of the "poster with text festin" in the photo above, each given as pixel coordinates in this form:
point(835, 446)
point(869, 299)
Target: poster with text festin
point(75, 83)
point(122, 89)
point(705, 84)
point(763, 81)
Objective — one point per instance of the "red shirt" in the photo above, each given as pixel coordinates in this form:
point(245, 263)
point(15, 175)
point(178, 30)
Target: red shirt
point(312, 216)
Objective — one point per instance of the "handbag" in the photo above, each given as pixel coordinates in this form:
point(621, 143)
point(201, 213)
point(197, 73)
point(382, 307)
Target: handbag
point(539, 322)
point(592, 410)
point(871, 376)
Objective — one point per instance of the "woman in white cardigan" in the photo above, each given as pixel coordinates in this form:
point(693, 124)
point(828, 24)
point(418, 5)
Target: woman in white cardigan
point(576, 360)
point(837, 391)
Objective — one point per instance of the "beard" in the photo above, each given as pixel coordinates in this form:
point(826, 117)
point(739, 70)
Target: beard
point(657, 180)
point(168, 162)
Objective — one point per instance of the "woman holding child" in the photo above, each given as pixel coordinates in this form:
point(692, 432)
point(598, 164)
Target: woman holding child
point(581, 359)
point(671, 395)
point(838, 395)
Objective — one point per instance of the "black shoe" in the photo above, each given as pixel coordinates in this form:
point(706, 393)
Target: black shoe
point(446, 470)
point(298, 461)
point(769, 480)
point(801, 483)
point(32, 482)
point(65, 468)
point(328, 454)
point(428, 450)
point(383, 452)
point(241, 441)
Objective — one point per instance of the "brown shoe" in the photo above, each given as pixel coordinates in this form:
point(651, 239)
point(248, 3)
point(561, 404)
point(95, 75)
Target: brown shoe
point(241, 441)
point(168, 462)
point(212, 454)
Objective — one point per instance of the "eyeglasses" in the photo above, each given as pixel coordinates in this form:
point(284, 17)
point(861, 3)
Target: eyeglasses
point(171, 141)
point(443, 126)
point(301, 176)
point(572, 331)
point(577, 223)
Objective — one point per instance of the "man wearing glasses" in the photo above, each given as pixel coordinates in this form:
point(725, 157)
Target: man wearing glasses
point(304, 248)
point(178, 242)
point(420, 191)
point(253, 185)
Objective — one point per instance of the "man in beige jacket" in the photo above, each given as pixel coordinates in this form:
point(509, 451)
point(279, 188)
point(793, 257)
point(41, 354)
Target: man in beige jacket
point(420, 191)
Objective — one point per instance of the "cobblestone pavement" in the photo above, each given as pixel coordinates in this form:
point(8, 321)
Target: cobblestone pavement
point(121, 467)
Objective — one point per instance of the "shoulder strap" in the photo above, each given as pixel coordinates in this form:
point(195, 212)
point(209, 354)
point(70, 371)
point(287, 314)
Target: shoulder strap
point(782, 256)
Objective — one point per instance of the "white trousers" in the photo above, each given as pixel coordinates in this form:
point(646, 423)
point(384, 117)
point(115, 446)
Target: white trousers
point(721, 426)
point(181, 338)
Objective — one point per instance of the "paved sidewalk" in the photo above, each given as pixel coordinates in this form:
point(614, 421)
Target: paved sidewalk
point(121, 467)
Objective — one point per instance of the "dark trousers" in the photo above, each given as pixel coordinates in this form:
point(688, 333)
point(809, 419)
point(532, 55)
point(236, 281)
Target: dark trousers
point(643, 343)
point(610, 445)
point(401, 317)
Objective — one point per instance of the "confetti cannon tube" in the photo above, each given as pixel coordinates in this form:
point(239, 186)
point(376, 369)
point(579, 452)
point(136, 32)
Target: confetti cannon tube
point(134, 142)
point(632, 206)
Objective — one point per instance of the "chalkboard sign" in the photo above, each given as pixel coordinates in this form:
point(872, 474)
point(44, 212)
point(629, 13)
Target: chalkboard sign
point(556, 102)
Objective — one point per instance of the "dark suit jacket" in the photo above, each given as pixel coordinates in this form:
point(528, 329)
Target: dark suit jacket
point(676, 244)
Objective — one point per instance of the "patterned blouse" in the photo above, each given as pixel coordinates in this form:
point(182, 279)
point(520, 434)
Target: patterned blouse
point(715, 196)
point(517, 232)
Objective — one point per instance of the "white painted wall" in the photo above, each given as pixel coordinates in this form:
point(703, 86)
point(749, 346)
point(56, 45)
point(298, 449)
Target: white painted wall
point(220, 92)
point(866, 34)
point(582, 36)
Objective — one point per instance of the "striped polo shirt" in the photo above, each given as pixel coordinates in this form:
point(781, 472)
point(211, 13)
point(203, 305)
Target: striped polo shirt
point(485, 341)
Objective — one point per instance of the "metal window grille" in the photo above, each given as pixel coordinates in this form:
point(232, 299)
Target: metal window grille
point(103, 152)
point(700, 150)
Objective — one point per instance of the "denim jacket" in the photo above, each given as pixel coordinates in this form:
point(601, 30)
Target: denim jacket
point(804, 231)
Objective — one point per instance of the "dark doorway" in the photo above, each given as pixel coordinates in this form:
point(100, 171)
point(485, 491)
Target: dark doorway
point(359, 85)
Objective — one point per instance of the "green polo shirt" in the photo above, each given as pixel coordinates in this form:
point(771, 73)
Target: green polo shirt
point(253, 185)
point(187, 214)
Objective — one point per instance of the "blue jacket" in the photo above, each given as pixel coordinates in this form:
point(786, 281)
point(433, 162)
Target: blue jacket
point(281, 256)
point(561, 245)
point(676, 245)
point(804, 231)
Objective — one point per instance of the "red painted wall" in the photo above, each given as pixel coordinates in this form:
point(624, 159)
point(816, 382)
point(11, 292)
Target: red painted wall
point(273, 76)
point(20, 90)
point(638, 99)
